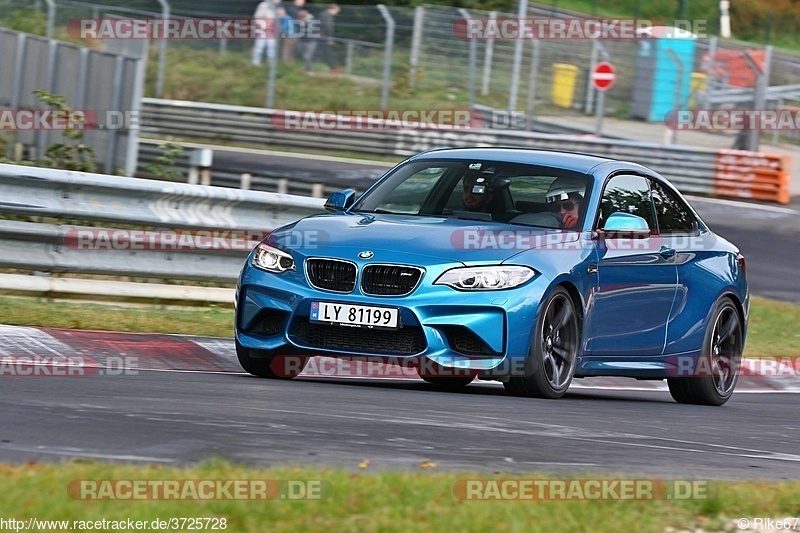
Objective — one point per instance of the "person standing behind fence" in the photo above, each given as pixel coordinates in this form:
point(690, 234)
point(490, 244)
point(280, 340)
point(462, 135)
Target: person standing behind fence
point(293, 10)
point(308, 42)
point(266, 37)
point(326, 42)
point(288, 34)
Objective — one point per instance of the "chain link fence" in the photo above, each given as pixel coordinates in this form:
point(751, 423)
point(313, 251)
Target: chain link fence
point(426, 56)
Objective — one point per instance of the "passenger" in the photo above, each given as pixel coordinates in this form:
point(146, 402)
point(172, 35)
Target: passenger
point(565, 198)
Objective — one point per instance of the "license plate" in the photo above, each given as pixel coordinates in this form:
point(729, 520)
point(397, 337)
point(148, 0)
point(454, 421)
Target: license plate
point(355, 315)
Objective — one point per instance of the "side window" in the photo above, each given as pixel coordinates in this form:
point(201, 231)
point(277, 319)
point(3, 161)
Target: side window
point(673, 215)
point(629, 194)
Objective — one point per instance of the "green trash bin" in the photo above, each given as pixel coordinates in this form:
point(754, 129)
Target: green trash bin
point(565, 78)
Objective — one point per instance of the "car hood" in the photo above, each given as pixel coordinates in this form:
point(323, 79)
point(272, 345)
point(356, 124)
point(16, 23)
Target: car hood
point(412, 239)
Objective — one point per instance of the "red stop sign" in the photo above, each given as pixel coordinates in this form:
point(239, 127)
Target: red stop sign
point(603, 76)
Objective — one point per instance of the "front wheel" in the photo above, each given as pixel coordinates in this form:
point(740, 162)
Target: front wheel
point(272, 367)
point(554, 350)
point(719, 361)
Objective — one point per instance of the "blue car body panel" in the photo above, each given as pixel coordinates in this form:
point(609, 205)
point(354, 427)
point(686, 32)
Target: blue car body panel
point(637, 311)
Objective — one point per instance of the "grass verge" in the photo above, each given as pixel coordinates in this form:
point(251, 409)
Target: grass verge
point(208, 321)
point(773, 325)
point(383, 501)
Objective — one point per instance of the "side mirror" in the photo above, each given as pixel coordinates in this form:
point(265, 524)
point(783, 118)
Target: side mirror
point(340, 200)
point(621, 224)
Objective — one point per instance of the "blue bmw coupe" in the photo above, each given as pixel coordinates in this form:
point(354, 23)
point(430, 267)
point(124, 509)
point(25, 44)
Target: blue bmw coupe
point(523, 266)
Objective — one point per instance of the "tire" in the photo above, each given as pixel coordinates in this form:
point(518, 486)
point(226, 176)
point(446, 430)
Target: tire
point(721, 355)
point(554, 350)
point(438, 375)
point(271, 367)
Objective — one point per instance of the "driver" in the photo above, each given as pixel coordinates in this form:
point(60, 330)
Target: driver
point(564, 198)
point(477, 196)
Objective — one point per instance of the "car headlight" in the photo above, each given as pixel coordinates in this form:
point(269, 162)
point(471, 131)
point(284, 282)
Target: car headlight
point(488, 278)
point(272, 260)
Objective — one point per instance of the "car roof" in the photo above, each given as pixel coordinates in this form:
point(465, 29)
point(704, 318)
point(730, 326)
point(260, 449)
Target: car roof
point(550, 158)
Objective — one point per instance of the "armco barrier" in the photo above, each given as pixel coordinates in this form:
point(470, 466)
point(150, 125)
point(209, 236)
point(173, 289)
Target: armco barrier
point(693, 170)
point(161, 230)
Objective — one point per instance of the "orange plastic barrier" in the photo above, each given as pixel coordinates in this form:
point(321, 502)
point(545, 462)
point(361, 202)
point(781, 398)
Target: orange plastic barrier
point(754, 175)
point(731, 64)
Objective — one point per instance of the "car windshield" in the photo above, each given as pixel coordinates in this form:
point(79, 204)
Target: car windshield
point(513, 193)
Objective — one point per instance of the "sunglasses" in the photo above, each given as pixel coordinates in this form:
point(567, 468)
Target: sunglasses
point(556, 207)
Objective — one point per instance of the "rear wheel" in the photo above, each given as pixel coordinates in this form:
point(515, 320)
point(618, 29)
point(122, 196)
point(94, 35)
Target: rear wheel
point(719, 361)
point(273, 366)
point(554, 350)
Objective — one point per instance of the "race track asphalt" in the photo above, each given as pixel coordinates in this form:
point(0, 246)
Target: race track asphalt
point(180, 417)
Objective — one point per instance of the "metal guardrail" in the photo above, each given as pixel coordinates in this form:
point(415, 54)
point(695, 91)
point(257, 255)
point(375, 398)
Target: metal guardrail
point(99, 197)
point(263, 179)
point(158, 229)
point(747, 95)
point(738, 174)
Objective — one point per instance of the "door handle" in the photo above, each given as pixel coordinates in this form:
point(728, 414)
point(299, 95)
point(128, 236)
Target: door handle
point(592, 268)
point(666, 253)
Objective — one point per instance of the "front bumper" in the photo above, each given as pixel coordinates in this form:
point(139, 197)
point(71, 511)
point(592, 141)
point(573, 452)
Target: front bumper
point(474, 330)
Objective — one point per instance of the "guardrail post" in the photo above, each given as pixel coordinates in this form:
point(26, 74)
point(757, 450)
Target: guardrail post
point(162, 52)
point(283, 186)
point(200, 166)
point(387, 61)
point(416, 44)
point(318, 190)
point(247, 180)
point(473, 57)
point(487, 60)
point(522, 12)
